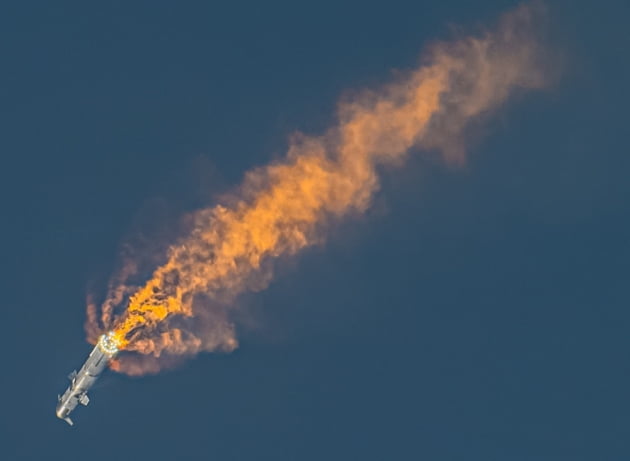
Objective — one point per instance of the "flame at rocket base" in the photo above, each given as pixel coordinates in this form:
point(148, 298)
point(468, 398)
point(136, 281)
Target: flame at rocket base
point(285, 207)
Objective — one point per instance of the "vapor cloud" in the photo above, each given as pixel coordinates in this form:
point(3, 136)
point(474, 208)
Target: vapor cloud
point(286, 206)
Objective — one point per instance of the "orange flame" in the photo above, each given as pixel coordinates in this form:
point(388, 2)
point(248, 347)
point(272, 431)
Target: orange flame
point(286, 206)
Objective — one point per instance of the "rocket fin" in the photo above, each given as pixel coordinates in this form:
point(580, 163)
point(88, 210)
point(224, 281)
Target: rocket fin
point(84, 399)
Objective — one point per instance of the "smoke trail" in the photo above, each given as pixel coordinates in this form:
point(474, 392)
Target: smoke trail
point(287, 206)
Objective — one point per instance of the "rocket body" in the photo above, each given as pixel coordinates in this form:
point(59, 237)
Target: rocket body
point(81, 381)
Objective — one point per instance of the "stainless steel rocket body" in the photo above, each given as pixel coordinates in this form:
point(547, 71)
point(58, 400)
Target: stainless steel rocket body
point(84, 379)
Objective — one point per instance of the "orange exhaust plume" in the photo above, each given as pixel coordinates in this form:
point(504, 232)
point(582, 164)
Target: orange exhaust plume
point(285, 207)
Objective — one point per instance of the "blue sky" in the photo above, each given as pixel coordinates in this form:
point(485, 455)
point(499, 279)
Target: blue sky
point(476, 313)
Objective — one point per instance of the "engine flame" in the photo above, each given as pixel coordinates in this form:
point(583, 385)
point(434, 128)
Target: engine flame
point(110, 343)
point(287, 206)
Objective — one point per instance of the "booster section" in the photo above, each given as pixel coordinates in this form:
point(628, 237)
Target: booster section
point(106, 349)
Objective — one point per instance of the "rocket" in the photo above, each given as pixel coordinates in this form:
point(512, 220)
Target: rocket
point(80, 382)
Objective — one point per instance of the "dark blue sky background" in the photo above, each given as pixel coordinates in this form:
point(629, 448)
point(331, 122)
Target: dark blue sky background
point(478, 313)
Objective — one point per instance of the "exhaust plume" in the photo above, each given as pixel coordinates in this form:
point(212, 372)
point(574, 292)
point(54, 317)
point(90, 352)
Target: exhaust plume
point(286, 206)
